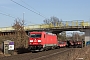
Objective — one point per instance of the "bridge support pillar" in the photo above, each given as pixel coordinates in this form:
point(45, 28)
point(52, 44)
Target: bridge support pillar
point(87, 37)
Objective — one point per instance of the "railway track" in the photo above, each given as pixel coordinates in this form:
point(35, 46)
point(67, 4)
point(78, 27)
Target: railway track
point(38, 55)
point(53, 54)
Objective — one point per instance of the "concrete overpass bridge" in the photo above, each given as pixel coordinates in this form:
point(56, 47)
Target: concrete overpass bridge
point(54, 27)
point(57, 27)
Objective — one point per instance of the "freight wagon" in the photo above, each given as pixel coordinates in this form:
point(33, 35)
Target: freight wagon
point(75, 44)
point(39, 41)
point(62, 44)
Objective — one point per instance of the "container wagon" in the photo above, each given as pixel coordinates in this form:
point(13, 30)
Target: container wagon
point(39, 41)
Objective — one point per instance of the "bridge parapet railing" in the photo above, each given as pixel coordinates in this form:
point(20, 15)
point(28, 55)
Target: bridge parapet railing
point(85, 23)
point(37, 26)
point(70, 24)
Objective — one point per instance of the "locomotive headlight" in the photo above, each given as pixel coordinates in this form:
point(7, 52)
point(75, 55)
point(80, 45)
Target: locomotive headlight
point(39, 40)
point(31, 40)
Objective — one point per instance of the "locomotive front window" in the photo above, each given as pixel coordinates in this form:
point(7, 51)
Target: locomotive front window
point(32, 35)
point(38, 35)
point(35, 35)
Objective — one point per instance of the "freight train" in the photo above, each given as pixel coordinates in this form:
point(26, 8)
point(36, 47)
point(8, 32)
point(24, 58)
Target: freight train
point(40, 41)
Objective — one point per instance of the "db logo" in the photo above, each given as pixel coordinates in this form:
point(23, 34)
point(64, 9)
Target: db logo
point(35, 40)
point(10, 46)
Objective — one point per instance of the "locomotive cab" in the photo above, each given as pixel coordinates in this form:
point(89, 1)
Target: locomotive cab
point(35, 41)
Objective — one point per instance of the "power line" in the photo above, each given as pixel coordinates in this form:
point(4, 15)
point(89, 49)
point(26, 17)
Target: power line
point(29, 6)
point(28, 9)
point(7, 15)
point(32, 8)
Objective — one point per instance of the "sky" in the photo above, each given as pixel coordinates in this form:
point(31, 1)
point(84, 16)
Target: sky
point(67, 10)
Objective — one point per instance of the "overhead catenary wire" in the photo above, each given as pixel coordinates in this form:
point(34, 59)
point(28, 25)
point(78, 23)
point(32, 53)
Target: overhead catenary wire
point(7, 15)
point(28, 9)
point(30, 6)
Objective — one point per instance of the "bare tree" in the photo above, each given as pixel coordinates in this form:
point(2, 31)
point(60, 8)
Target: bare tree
point(46, 21)
point(77, 36)
point(52, 20)
point(20, 34)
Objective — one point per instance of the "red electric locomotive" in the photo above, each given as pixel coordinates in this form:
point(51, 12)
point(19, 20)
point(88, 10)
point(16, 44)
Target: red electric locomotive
point(42, 41)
